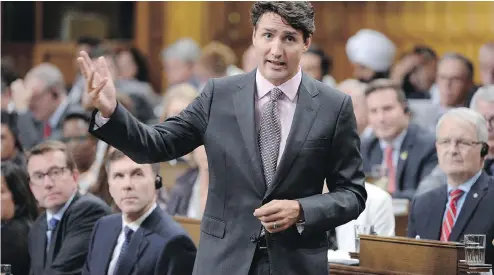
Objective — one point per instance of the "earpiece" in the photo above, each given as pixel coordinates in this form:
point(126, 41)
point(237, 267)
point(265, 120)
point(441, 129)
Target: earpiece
point(485, 150)
point(158, 182)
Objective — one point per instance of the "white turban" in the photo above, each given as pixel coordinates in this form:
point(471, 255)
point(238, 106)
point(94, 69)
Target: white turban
point(371, 49)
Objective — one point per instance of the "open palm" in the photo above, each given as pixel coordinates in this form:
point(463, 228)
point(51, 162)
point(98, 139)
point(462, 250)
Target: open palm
point(99, 83)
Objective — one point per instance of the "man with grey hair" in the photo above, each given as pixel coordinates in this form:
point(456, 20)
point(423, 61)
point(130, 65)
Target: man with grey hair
point(179, 61)
point(463, 205)
point(41, 101)
point(486, 59)
point(483, 103)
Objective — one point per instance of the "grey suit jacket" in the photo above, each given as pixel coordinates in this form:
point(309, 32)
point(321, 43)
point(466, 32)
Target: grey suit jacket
point(70, 240)
point(323, 144)
point(421, 158)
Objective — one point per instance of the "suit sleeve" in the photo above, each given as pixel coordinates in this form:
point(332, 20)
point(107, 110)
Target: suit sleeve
point(86, 270)
point(344, 179)
point(74, 249)
point(177, 258)
point(171, 139)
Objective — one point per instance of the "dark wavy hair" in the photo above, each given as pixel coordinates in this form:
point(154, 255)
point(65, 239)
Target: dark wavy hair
point(299, 15)
point(17, 181)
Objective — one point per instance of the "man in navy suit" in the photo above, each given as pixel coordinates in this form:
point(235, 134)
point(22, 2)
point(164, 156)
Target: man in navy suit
point(464, 205)
point(143, 239)
point(405, 149)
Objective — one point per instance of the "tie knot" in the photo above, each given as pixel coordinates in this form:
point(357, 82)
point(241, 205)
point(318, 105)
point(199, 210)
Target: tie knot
point(52, 224)
point(276, 94)
point(128, 233)
point(456, 194)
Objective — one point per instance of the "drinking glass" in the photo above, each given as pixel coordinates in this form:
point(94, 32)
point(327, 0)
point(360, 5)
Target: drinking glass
point(474, 249)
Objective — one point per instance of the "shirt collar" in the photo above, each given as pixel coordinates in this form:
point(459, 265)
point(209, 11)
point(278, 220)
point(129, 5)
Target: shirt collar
point(289, 88)
point(59, 214)
point(466, 186)
point(396, 143)
point(137, 223)
point(57, 115)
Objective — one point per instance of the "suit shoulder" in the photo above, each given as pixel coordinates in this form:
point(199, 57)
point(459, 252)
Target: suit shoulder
point(89, 202)
point(422, 135)
point(429, 195)
point(168, 228)
point(110, 219)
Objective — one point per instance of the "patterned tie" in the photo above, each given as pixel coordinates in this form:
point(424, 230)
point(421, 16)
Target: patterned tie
point(270, 136)
point(391, 169)
point(128, 236)
point(52, 225)
point(449, 220)
point(332, 240)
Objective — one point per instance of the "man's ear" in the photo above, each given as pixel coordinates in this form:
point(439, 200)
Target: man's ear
point(307, 43)
point(75, 175)
point(254, 37)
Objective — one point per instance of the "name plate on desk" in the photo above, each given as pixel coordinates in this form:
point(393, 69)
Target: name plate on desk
point(410, 255)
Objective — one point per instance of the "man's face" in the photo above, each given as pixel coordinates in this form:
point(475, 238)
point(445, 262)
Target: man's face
point(311, 65)
point(131, 186)
point(279, 48)
point(79, 142)
point(127, 67)
point(486, 109)
point(457, 151)
point(51, 181)
point(362, 73)
point(386, 114)
point(43, 102)
point(177, 71)
point(486, 59)
point(453, 82)
point(425, 75)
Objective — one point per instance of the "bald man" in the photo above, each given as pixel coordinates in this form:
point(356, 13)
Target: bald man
point(486, 58)
point(356, 90)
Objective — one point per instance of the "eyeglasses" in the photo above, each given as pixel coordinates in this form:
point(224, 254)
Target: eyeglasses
point(55, 173)
point(462, 144)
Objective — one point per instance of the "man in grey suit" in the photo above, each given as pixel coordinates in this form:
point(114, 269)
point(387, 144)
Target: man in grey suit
point(272, 136)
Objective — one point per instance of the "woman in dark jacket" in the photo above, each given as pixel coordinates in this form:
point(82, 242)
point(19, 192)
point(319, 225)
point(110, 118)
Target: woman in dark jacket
point(19, 210)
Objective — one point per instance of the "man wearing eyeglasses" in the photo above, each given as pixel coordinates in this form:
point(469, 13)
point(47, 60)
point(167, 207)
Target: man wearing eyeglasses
point(464, 204)
point(59, 238)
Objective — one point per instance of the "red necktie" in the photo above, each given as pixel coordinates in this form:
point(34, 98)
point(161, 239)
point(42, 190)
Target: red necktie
point(391, 169)
point(449, 220)
point(46, 130)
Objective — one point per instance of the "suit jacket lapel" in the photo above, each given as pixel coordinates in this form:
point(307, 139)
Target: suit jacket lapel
point(39, 246)
point(305, 113)
point(243, 103)
point(474, 196)
point(138, 243)
point(436, 210)
point(406, 146)
point(105, 250)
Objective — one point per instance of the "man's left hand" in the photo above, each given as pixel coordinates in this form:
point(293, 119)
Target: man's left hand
point(278, 215)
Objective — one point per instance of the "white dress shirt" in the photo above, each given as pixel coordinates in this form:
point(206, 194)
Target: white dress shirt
point(121, 238)
point(378, 212)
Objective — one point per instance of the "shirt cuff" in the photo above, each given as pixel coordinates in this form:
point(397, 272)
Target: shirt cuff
point(300, 227)
point(100, 120)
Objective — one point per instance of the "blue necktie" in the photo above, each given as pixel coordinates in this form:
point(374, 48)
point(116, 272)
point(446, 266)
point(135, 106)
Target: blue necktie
point(128, 235)
point(52, 225)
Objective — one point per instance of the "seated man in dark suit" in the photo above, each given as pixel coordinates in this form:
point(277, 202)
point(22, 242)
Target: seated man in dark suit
point(59, 238)
point(143, 239)
point(464, 205)
point(406, 150)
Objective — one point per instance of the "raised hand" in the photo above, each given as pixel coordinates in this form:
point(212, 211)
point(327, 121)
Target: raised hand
point(100, 86)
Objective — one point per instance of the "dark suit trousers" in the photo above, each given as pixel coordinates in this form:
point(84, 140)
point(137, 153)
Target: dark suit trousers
point(260, 264)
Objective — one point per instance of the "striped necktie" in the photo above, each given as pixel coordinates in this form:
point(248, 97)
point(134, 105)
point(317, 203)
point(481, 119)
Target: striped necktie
point(128, 236)
point(449, 220)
